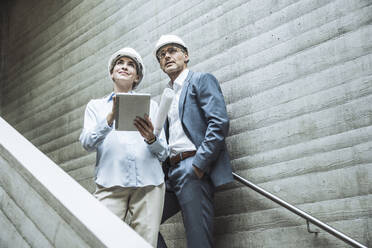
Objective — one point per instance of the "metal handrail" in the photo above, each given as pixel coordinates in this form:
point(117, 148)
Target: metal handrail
point(300, 213)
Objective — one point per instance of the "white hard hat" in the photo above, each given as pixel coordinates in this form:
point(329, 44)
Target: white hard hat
point(130, 53)
point(169, 39)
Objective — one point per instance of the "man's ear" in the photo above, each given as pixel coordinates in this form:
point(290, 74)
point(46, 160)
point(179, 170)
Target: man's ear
point(186, 58)
point(112, 76)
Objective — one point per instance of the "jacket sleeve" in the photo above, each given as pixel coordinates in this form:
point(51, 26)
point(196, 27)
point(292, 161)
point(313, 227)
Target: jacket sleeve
point(212, 104)
point(94, 130)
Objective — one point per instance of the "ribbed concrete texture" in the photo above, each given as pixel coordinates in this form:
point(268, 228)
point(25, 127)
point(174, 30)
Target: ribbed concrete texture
point(3, 43)
point(42, 206)
point(297, 80)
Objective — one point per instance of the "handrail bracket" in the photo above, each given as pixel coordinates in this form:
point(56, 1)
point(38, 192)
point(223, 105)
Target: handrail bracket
point(308, 228)
point(300, 213)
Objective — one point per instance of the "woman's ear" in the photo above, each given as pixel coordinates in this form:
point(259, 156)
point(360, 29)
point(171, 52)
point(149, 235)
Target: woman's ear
point(135, 83)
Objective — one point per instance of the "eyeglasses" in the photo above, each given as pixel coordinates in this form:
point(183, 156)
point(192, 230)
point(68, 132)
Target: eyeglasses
point(169, 50)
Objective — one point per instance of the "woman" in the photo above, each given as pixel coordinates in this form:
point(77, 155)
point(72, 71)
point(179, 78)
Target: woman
point(128, 173)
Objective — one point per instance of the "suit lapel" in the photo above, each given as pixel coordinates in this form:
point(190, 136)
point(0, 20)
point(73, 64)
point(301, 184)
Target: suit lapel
point(185, 88)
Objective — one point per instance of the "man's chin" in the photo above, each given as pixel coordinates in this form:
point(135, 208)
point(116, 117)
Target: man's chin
point(170, 69)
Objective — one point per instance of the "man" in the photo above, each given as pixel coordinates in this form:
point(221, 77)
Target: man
point(128, 174)
point(196, 129)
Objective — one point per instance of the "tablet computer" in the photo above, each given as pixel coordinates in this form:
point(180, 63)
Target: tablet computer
point(130, 105)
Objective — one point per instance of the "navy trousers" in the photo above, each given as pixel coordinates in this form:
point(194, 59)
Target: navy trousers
point(194, 197)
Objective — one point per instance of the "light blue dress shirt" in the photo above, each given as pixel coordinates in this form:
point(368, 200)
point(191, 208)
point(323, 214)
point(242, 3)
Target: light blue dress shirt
point(123, 158)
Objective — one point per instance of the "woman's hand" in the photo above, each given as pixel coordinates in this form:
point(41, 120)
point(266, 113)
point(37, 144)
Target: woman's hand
point(111, 116)
point(145, 127)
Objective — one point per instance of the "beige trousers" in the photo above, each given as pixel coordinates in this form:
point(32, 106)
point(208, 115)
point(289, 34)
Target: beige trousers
point(145, 204)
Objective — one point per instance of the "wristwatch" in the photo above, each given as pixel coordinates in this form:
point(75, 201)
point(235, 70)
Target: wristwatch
point(151, 140)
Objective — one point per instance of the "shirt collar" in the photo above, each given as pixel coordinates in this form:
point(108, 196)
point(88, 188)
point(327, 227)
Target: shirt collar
point(177, 84)
point(110, 96)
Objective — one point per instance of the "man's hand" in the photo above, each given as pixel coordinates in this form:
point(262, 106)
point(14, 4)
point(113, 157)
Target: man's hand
point(145, 127)
point(111, 116)
point(199, 173)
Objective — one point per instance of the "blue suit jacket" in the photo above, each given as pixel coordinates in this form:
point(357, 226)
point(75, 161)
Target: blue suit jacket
point(204, 120)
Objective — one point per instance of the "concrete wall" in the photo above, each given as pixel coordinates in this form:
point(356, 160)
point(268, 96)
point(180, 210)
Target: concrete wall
point(42, 206)
point(296, 75)
point(4, 17)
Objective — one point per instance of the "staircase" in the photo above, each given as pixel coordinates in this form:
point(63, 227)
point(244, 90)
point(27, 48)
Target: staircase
point(42, 206)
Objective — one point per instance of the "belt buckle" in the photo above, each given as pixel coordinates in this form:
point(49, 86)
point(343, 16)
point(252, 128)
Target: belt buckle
point(173, 160)
point(181, 157)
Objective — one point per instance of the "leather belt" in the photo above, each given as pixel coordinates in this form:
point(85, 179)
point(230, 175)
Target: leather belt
point(180, 156)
